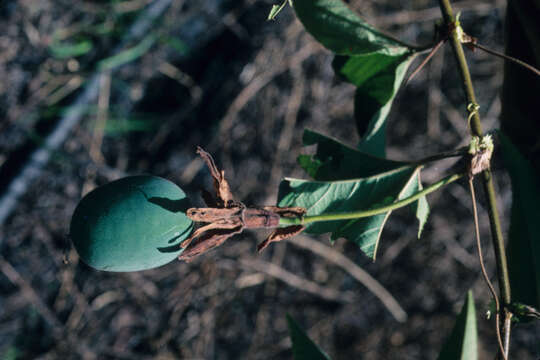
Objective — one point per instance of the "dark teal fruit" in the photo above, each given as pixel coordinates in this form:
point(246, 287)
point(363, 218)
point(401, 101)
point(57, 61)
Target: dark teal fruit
point(131, 224)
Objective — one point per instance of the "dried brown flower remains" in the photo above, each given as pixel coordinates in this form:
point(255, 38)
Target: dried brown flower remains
point(225, 217)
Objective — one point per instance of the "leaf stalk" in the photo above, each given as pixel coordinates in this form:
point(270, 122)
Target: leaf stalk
point(370, 212)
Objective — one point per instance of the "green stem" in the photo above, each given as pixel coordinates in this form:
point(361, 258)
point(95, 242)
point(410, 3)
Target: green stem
point(370, 212)
point(487, 183)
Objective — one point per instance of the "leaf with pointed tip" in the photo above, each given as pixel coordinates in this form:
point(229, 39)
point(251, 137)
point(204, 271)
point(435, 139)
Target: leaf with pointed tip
point(373, 98)
point(463, 342)
point(422, 207)
point(339, 29)
point(523, 245)
point(376, 63)
point(336, 161)
point(302, 346)
point(323, 197)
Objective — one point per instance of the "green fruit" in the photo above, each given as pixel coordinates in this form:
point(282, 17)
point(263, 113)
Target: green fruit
point(131, 224)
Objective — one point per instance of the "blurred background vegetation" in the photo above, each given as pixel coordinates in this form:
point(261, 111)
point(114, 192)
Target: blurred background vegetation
point(95, 90)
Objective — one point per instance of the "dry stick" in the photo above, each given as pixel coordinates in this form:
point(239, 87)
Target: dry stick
point(32, 296)
point(487, 183)
point(484, 272)
point(355, 271)
point(291, 115)
point(298, 282)
point(425, 61)
point(102, 115)
point(248, 92)
point(99, 130)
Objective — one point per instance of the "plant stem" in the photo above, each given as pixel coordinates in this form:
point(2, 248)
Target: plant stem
point(507, 57)
point(370, 212)
point(444, 155)
point(487, 183)
point(484, 271)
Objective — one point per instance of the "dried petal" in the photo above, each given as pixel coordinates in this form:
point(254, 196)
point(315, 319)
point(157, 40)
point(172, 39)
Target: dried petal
point(221, 186)
point(281, 234)
point(480, 161)
point(226, 217)
point(227, 224)
point(208, 241)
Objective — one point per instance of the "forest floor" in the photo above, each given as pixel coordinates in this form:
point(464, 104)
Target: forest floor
point(215, 73)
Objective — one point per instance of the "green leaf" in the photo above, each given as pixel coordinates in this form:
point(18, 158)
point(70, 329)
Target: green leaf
point(523, 245)
point(119, 126)
point(67, 50)
point(302, 346)
point(376, 63)
point(422, 208)
point(320, 197)
point(463, 342)
point(12, 353)
point(128, 55)
point(334, 161)
point(374, 96)
point(523, 313)
point(335, 26)
point(178, 45)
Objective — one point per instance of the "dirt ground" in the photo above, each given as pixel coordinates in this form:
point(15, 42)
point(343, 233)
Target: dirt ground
point(215, 73)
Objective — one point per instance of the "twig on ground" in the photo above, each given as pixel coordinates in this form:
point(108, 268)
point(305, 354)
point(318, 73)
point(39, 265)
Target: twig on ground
point(102, 115)
point(255, 86)
point(287, 132)
point(297, 281)
point(31, 295)
point(355, 271)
